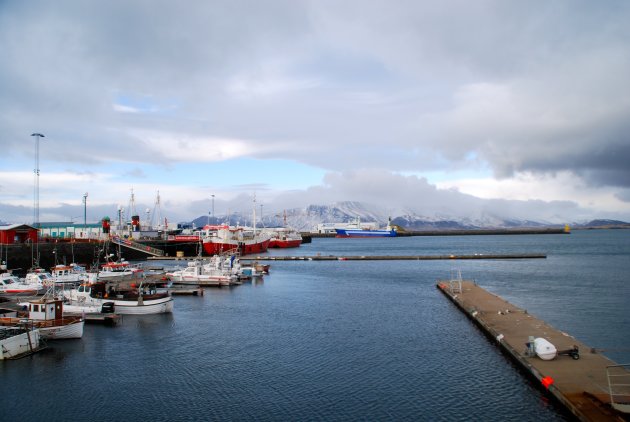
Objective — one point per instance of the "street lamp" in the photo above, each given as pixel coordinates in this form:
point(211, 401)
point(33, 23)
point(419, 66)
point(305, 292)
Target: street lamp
point(120, 212)
point(35, 258)
point(85, 195)
point(36, 172)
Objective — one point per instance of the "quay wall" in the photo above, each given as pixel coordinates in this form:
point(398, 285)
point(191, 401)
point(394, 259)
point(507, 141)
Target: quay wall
point(577, 384)
point(455, 232)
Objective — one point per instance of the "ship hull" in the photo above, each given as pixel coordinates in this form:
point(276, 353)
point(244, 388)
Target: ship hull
point(278, 243)
point(215, 248)
point(365, 233)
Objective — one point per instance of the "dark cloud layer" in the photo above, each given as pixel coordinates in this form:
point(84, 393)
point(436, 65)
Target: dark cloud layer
point(414, 86)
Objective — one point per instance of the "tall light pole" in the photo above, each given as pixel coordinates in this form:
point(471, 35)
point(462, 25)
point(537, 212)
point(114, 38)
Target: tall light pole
point(36, 172)
point(36, 197)
point(85, 195)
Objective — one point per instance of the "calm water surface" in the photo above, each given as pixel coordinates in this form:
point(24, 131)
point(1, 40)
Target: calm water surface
point(337, 340)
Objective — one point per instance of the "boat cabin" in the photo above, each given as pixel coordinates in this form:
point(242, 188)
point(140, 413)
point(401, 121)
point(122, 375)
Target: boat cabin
point(45, 309)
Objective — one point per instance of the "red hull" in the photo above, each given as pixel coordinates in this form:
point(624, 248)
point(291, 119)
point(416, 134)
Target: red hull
point(276, 243)
point(214, 248)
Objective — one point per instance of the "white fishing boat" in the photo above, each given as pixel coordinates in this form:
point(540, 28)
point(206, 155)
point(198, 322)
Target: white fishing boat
point(13, 286)
point(39, 277)
point(217, 271)
point(18, 341)
point(72, 274)
point(47, 315)
point(120, 270)
point(141, 300)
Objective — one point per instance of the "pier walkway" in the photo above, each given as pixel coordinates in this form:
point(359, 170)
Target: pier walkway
point(127, 243)
point(392, 257)
point(581, 384)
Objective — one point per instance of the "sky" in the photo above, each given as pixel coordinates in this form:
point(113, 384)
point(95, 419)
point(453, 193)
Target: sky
point(453, 108)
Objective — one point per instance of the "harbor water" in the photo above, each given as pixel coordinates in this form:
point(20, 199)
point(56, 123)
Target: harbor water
point(338, 340)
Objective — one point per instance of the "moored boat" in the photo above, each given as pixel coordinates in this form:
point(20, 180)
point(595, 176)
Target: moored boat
point(120, 270)
point(283, 237)
point(69, 274)
point(141, 300)
point(46, 315)
point(217, 271)
point(12, 285)
point(226, 239)
point(356, 230)
point(18, 340)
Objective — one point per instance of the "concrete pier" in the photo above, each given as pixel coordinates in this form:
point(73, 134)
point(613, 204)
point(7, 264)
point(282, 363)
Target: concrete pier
point(581, 385)
point(391, 257)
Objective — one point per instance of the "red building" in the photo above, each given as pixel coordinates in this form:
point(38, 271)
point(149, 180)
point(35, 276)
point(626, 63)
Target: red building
point(17, 233)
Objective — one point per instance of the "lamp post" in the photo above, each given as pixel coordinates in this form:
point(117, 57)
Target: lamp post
point(36, 172)
point(35, 258)
point(212, 206)
point(85, 195)
point(120, 211)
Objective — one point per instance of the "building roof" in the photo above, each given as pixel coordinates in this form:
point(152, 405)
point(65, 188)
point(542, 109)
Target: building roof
point(54, 224)
point(17, 227)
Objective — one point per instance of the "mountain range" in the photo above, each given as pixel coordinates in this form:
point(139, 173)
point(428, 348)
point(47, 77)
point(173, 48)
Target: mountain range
point(307, 219)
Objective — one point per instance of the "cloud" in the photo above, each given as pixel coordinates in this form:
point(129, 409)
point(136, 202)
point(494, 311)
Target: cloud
point(520, 89)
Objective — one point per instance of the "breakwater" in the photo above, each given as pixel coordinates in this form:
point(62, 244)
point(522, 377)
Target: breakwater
point(456, 232)
point(87, 252)
point(578, 380)
point(392, 257)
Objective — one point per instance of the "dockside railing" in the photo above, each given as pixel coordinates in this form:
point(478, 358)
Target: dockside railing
point(137, 246)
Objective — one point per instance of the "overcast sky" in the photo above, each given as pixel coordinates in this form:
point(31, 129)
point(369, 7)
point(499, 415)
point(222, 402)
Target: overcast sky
point(521, 108)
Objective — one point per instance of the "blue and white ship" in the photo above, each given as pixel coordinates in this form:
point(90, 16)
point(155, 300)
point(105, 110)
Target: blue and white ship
point(357, 231)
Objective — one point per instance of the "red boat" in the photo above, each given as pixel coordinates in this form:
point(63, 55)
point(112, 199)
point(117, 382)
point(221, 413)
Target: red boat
point(284, 238)
point(246, 241)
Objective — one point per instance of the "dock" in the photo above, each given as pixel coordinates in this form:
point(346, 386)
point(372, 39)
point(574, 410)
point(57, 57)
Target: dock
point(580, 383)
point(182, 290)
point(392, 257)
point(109, 319)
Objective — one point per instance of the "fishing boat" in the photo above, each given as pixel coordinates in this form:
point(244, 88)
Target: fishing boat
point(69, 274)
point(46, 314)
point(120, 270)
point(284, 237)
point(218, 271)
point(221, 239)
point(140, 300)
point(12, 285)
point(39, 277)
point(355, 230)
point(18, 340)
point(227, 239)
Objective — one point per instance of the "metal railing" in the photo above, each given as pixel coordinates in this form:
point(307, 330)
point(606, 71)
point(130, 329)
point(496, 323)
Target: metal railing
point(137, 246)
point(619, 386)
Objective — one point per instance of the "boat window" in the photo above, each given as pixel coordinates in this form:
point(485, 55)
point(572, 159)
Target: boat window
point(81, 289)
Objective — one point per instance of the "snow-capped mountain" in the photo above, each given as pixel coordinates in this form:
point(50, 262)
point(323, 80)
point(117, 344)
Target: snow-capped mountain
point(306, 219)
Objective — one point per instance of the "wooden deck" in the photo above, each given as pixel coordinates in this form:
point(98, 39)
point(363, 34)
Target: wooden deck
point(581, 385)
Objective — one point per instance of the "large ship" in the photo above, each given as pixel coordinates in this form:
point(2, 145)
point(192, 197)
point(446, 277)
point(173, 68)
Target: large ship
point(283, 237)
point(355, 230)
point(224, 238)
